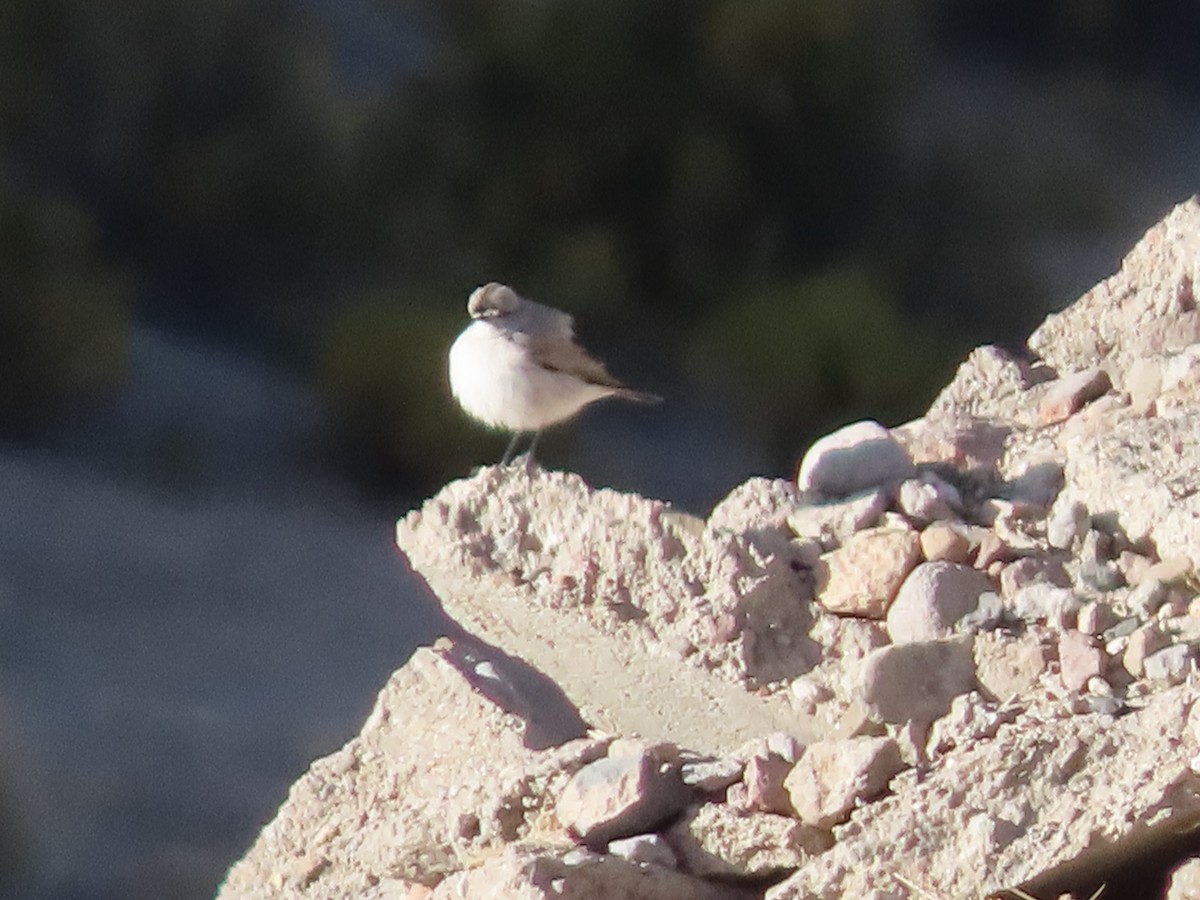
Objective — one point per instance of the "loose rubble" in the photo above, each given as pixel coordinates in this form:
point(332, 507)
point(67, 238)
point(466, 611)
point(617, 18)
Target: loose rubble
point(943, 662)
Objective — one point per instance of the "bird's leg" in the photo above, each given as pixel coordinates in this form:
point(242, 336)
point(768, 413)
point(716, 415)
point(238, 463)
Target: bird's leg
point(512, 446)
point(529, 462)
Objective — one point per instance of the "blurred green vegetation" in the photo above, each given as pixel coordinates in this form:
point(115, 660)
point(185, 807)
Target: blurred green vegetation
point(806, 356)
point(710, 164)
point(64, 311)
point(383, 364)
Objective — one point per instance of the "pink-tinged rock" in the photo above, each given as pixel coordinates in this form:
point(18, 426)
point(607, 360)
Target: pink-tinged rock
point(852, 459)
point(1028, 569)
point(1096, 617)
point(764, 778)
point(932, 598)
point(620, 796)
point(1007, 666)
point(943, 542)
point(1069, 394)
point(1080, 659)
point(832, 776)
point(1145, 640)
point(862, 576)
point(916, 682)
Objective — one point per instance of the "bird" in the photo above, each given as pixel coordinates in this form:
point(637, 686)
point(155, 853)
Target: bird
point(517, 367)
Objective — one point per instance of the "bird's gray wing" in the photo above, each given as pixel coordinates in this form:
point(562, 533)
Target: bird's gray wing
point(560, 354)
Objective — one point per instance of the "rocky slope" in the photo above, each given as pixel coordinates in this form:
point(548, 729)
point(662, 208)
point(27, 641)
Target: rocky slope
point(951, 659)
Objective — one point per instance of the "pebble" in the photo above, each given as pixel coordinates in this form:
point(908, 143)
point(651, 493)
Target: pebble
point(1170, 664)
point(1067, 523)
point(864, 574)
point(644, 850)
point(916, 682)
point(1044, 602)
point(933, 597)
point(1145, 599)
point(1095, 617)
point(1071, 393)
point(943, 542)
point(854, 458)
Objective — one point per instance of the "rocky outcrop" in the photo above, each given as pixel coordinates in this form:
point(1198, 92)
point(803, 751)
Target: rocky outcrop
point(947, 661)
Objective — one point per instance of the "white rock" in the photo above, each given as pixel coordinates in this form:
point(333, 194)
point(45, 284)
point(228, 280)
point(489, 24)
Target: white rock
point(852, 459)
point(1044, 602)
point(645, 850)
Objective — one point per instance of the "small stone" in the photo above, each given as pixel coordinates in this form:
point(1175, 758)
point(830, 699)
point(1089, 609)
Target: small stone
point(1071, 393)
point(856, 721)
point(1101, 576)
point(711, 776)
point(993, 549)
point(1079, 659)
point(1143, 382)
point(620, 796)
point(854, 458)
point(1171, 570)
point(1096, 617)
point(1145, 599)
point(1034, 491)
point(1008, 666)
point(916, 682)
point(644, 850)
point(987, 614)
point(1116, 647)
point(1067, 523)
point(1101, 704)
point(808, 695)
point(830, 524)
point(1122, 629)
point(1029, 569)
point(763, 778)
point(833, 776)
point(928, 499)
point(932, 599)
point(1043, 602)
point(1170, 664)
point(1144, 641)
point(943, 542)
point(1134, 566)
point(863, 575)
point(784, 745)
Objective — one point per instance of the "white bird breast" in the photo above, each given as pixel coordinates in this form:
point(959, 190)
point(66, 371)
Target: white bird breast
point(495, 380)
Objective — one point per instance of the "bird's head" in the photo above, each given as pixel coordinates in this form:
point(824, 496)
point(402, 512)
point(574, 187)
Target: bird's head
point(493, 300)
